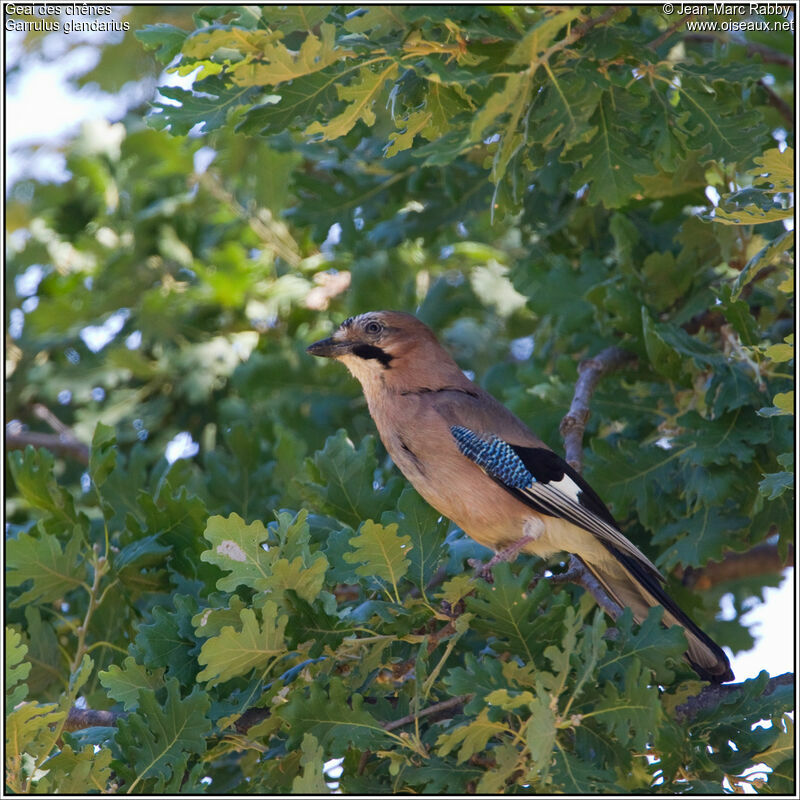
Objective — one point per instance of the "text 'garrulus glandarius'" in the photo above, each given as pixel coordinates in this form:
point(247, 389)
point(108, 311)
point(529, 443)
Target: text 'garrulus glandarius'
point(479, 465)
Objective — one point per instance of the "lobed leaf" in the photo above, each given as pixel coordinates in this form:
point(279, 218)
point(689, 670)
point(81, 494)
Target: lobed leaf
point(277, 64)
point(156, 739)
point(360, 96)
point(336, 718)
point(125, 683)
point(53, 572)
point(380, 552)
point(240, 550)
point(235, 652)
point(16, 670)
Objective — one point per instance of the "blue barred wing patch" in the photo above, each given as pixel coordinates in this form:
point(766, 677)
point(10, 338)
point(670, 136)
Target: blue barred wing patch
point(493, 455)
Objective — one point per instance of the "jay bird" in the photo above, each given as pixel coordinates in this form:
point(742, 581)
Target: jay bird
point(478, 464)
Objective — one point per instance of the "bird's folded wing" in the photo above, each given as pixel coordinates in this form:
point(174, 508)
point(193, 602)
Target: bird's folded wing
point(544, 481)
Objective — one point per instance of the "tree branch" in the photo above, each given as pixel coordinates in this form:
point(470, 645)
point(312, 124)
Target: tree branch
point(657, 42)
point(579, 573)
point(250, 718)
point(714, 694)
point(777, 102)
point(79, 718)
point(584, 27)
point(760, 560)
point(768, 54)
point(52, 441)
point(589, 373)
point(445, 705)
point(763, 558)
point(711, 696)
point(63, 441)
point(575, 33)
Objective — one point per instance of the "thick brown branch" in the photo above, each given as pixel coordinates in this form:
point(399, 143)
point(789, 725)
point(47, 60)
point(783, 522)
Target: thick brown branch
point(760, 560)
point(714, 694)
point(79, 718)
point(777, 102)
point(589, 373)
point(63, 441)
point(250, 717)
point(709, 697)
point(59, 444)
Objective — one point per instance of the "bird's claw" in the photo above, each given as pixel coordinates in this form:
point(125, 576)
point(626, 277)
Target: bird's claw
point(483, 570)
point(508, 553)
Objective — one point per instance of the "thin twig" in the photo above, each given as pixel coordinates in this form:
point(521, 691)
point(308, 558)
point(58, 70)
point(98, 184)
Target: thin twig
point(46, 415)
point(100, 568)
point(274, 233)
point(451, 702)
point(657, 42)
point(362, 762)
point(86, 717)
point(589, 373)
point(584, 27)
point(711, 696)
point(573, 36)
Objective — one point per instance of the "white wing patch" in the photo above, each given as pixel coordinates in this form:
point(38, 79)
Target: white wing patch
point(568, 487)
point(561, 504)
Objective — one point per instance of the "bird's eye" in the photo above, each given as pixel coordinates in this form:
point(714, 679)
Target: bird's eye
point(373, 327)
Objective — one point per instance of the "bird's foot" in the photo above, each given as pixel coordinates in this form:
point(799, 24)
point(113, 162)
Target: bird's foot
point(506, 554)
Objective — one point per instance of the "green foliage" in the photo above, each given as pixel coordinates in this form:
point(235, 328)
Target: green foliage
point(157, 739)
point(531, 182)
point(336, 718)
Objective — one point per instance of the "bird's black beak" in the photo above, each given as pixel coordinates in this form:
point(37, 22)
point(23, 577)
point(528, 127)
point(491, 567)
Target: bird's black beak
point(328, 348)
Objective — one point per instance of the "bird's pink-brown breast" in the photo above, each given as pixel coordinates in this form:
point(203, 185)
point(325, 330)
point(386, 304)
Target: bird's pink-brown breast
point(417, 423)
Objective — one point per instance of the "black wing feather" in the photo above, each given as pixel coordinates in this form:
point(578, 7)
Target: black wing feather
point(547, 467)
point(653, 586)
point(533, 474)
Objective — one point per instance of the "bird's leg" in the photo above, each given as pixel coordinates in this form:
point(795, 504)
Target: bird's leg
point(532, 529)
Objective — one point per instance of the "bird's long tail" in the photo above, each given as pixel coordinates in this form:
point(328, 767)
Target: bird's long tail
point(629, 584)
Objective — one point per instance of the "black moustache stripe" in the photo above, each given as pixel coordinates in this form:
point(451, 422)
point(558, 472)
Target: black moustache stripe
point(367, 351)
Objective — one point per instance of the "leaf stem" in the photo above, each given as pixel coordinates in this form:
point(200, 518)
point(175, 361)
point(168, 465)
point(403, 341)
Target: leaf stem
point(99, 570)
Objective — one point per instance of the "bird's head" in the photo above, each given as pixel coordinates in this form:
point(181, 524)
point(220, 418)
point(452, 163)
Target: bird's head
point(386, 347)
